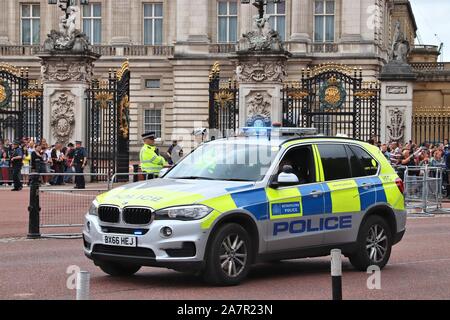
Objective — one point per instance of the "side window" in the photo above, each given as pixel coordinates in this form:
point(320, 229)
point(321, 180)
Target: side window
point(334, 161)
point(363, 164)
point(302, 162)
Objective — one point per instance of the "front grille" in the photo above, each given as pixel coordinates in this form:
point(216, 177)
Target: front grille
point(109, 214)
point(137, 215)
point(124, 230)
point(124, 251)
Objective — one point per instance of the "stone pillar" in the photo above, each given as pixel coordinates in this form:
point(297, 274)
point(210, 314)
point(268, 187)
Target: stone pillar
point(245, 18)
point(192, 27)
point(351, 21)
point(301, 10)
point(4, 39)
point(65, 77)
point(396, 102)
point(260, 80)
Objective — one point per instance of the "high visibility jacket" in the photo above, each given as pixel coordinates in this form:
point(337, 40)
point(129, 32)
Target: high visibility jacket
point(150, 161)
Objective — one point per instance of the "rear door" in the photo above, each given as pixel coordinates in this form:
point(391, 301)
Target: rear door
point(342, 202)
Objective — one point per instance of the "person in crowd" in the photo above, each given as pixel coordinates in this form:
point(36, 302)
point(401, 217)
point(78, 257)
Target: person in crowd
point(68, 165)
point(25, 171)
point(174, 153)
point(57, 157)
point(16, 162)
point(46, 162)
point(79, 162)
point(150, 160)
point(385, 151)
point(4, 165)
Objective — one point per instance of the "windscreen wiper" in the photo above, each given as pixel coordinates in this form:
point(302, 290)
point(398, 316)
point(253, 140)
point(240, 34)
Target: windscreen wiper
point(193, 177)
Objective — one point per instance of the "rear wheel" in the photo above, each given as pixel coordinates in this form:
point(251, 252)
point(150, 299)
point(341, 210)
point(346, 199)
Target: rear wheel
point(229, 255)
point(118, 269)
point(374, 244)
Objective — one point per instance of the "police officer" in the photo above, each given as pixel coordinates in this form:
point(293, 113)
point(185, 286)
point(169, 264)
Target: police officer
point(16, 162)
point(79, 162)
point(151, 161)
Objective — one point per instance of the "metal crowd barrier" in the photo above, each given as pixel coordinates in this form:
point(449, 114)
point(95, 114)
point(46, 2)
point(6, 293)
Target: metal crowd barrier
point(424, 188)
point(62, 207)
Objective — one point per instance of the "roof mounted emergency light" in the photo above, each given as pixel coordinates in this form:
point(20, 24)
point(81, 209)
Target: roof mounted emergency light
point(277, 131)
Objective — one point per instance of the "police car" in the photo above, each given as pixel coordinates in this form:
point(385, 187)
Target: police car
point(260, 197)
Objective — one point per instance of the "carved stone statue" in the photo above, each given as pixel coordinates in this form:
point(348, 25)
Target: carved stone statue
point(400, 46)
point(67, 24)
point(261, 38)
point(68, 38)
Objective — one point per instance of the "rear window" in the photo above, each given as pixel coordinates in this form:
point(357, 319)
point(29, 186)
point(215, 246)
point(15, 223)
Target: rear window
point(363, 164)
point(334, 161)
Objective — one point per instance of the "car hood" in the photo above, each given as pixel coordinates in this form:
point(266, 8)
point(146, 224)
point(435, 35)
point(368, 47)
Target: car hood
point(161, 193)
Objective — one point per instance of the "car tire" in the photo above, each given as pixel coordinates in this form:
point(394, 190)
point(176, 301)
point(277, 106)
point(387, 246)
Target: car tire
point(229, 256)
point(118, 269)
point(374, 244)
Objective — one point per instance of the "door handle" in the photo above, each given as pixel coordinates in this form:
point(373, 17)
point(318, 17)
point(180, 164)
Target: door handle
point(316, 193)
point(366, 185)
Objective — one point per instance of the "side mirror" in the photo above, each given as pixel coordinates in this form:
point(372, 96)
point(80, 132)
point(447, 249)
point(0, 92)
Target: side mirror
point(285, 178)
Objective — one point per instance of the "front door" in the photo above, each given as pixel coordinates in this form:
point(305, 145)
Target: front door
point(295, 211)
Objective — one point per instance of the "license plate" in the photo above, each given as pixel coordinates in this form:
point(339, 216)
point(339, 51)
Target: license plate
point(122, 241)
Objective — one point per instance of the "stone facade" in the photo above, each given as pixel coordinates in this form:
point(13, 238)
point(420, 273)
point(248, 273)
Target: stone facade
point(181, 63)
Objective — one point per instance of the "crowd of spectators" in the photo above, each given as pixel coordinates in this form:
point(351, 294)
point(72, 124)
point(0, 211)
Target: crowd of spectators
point(52, 158)
point(417, 155)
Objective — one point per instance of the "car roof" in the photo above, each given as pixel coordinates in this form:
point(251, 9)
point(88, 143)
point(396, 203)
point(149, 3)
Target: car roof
point(282, 140)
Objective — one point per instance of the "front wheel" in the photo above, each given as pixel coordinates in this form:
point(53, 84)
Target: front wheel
point(118, 269)
point(229, 256)
point(374, 244)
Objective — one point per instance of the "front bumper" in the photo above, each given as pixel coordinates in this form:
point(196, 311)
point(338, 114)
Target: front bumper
point(184, 249)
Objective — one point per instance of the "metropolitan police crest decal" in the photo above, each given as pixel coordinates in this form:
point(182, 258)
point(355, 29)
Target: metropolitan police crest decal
point(332, 94)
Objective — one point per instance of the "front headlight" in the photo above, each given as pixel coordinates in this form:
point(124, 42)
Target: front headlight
point(93, 210)
point(193, 212)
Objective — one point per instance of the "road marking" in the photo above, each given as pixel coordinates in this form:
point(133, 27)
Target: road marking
point(23, 295)
point(419, 261)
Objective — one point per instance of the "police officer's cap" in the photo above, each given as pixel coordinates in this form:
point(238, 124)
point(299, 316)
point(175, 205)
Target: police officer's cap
point(16, 142)
point(149, 135)
point(78, 142)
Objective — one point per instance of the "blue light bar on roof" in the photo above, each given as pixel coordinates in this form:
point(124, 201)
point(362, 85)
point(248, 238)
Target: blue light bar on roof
point(277, 131)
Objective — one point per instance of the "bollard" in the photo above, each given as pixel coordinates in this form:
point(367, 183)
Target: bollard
point(34, 208)
point(135, 170)
point(336, 274)
point(83, 279)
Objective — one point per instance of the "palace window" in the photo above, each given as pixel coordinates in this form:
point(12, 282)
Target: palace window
point(277, 17)
point(152, 83)
point(324, 11)
point(30, 24)
point(92, 22)
point(153, 23)
point(152, 121)
point(227, 21)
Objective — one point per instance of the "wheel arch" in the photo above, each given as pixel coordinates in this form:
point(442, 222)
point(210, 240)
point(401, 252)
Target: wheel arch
point(245, 220)
point(384, 212)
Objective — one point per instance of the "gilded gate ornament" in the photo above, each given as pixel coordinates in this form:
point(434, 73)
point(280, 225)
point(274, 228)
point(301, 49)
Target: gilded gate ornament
point(332, 94)
point(5, 94)
point(124, 116)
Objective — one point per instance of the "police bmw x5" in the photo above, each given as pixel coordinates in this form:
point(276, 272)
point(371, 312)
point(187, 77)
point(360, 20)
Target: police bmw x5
point(264, 196)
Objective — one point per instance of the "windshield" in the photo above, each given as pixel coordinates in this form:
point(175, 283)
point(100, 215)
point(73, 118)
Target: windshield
point(233, 162)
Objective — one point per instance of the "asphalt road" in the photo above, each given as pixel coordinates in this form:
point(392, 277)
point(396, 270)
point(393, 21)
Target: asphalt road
point(419, 269)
